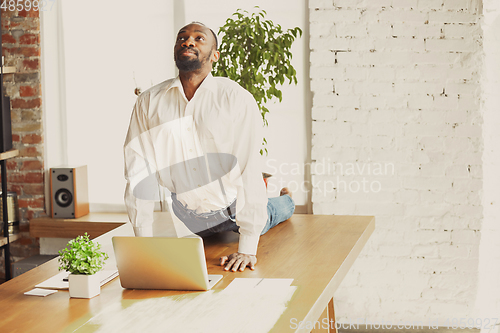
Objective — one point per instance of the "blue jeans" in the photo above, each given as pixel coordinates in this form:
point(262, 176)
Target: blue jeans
point(279, 209)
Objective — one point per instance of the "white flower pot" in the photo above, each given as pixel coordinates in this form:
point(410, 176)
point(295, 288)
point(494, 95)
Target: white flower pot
point(84, 286)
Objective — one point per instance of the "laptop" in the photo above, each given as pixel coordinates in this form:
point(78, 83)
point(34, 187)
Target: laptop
point(162, 263)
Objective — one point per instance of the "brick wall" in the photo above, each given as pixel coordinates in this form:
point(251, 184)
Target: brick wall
point(396, 117)
point(488, 297)
point(21, 48)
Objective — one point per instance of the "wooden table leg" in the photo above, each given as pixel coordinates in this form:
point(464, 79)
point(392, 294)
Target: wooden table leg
point(328, 314)
point(332, 328)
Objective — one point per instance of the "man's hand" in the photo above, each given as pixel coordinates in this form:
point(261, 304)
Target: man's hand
point(238, 261)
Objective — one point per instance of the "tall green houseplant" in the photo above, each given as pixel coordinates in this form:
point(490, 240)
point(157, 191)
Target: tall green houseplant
point(255, 52)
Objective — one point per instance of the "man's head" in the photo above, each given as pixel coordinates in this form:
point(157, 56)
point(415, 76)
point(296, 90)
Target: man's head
point(195, 48)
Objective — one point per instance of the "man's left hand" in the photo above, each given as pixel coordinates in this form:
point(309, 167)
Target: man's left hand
point(238, 261)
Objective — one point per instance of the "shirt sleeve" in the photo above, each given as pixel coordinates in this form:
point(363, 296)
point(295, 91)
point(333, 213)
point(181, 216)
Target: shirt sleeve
point(137, 168)
point(251, 203)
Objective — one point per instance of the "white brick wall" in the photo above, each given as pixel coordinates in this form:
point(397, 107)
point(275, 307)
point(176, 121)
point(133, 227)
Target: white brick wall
point(397, 82)
point(488, 296)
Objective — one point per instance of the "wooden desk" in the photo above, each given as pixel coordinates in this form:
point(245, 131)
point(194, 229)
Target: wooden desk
point(315, 250)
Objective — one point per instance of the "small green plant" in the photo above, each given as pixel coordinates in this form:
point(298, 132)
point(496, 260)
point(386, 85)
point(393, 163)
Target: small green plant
point(82, 256)
point(256, 53)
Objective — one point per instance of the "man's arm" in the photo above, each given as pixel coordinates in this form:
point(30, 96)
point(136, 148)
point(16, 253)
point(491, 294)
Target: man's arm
point(137, 168)
point(251, 203)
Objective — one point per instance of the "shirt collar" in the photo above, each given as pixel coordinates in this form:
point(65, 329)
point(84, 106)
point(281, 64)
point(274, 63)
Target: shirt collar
point(208, 83)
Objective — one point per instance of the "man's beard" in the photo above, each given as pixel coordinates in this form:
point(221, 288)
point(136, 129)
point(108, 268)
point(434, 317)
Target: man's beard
point(187, 64)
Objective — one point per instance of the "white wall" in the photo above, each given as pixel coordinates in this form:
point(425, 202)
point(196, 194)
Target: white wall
point(91, 54)
point(488, 296)
point(405, 76)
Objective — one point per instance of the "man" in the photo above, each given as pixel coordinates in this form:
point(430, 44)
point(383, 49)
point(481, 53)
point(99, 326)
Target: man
point(199, 137)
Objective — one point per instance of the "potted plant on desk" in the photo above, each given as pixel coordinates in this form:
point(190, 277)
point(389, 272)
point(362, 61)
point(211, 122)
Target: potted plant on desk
point(83, 258)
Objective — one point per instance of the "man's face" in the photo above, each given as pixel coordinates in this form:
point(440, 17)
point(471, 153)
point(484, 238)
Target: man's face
point(194, 48)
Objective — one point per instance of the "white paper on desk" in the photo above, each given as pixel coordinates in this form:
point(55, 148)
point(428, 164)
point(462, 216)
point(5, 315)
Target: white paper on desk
point(242, 284)
point(40, 292)
point(213, 311)
point(57, 282)
point(274, 286)
point(108, 275)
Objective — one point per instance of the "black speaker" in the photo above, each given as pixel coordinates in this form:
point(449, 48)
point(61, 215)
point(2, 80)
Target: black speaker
point(69, 192)
point(5, 126)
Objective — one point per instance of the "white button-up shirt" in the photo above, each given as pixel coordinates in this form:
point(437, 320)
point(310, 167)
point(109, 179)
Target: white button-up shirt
point(206, 150)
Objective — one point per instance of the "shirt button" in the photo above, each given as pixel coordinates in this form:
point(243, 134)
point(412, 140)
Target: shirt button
point(199, 185)
point(189, 128)
point(194, 169)
point(190, 150)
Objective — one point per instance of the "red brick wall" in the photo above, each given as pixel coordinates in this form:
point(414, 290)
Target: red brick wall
point(21, 48)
